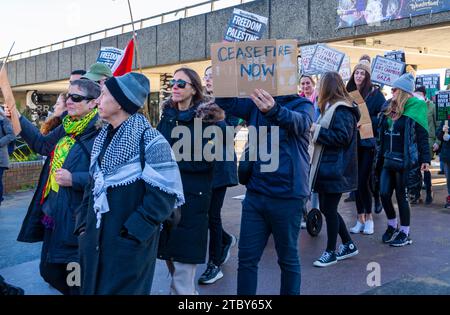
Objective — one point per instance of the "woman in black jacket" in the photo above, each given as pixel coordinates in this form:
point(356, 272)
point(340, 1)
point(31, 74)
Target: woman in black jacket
point(184, 246)
point(360, 81)
point(334, 165)
point(402, 149)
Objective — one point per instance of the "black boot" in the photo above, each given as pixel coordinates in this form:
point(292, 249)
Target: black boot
point(378, 205)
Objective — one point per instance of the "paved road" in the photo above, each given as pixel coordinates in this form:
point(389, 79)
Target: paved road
point(422, 268)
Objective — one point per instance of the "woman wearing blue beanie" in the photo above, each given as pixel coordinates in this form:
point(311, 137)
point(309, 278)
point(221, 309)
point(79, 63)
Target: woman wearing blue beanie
point(402, 149)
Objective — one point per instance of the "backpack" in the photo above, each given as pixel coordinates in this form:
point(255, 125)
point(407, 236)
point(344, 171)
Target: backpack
point(12, 144)
point(175, 217)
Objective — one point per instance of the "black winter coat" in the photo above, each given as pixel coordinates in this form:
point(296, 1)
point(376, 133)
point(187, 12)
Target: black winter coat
point(444, 154)
point(62, 244)
point(188, 241)
point(374, 101)
point(338, 166)
point(225, 172)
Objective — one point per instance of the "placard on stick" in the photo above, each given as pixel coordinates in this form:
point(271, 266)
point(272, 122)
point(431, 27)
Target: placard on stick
point(111, 57)
point(306, 54)
point(386, 71)
point(241, 67)
point(245, 26)
point(442, 105)
point(365, 122)
point(326, 59)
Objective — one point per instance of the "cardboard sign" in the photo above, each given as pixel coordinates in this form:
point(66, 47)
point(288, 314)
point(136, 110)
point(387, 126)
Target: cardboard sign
point(241, 67)
point(442, 105)
point(346, 71)
point(110, 56)
point(447, 77)
point(245, 26)
point(386, 71)
point(326, 59)
point(398, 55)
point(431, 82)
point(365, 122)
point(306, 54)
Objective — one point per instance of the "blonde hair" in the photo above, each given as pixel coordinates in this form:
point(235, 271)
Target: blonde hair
point(397, 107)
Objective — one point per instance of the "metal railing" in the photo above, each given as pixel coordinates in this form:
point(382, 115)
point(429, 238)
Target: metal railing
point(159, 19)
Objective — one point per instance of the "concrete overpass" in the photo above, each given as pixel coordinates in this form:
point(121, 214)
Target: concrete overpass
point(186, 41)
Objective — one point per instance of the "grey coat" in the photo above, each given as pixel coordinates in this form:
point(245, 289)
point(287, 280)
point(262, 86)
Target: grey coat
point(6, 136)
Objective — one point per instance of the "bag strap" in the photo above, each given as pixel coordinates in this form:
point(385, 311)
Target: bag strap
point(142, 149)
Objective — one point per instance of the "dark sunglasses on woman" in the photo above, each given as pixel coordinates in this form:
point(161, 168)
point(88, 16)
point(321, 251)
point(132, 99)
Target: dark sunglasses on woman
point(77, 98)
point(180, 83)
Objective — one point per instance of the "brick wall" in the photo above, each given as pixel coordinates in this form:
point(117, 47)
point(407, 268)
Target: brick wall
point(21, 175)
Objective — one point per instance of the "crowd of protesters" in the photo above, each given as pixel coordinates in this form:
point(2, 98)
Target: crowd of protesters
point(116, 193)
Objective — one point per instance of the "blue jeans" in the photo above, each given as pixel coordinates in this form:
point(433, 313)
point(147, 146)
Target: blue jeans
point(261, 217)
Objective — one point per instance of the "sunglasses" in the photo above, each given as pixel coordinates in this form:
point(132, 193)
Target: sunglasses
point(180, 83)
point(78, 98)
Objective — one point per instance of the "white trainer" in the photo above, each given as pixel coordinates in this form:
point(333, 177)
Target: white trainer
point(358, 228)
point(368, 227)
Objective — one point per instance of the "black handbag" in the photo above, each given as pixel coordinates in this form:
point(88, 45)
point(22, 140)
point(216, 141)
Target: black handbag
point(245, 166)
point(394, 161)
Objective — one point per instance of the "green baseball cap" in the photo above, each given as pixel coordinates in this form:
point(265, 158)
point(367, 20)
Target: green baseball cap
point(97, 72)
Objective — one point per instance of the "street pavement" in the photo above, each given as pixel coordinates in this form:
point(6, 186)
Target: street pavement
point(420, 268)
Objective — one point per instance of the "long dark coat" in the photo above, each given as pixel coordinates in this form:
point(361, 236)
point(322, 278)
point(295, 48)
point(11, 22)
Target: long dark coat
point(62, 244)
point(111, 263)
point(188, 241)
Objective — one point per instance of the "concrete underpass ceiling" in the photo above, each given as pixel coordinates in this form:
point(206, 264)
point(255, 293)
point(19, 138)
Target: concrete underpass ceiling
point(426, 48)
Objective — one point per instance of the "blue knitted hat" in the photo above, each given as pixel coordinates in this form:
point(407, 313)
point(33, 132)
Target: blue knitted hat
point(129, 90)
point(405, 83)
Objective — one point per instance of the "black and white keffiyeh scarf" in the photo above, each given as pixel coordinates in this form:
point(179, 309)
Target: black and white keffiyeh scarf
point(121, 163)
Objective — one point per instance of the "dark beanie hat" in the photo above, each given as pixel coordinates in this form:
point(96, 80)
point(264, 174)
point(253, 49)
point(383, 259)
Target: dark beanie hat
point(130, 91)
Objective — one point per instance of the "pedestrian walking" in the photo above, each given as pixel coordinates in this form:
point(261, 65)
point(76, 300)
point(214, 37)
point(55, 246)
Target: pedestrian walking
point(360, 81)
point(402, 149)
point(184, 247)
point(334, 169)
point(6, 137)
point(433, 143)
point(225, 175)
point(275, 199)
point(135, 184)
point(51, 214)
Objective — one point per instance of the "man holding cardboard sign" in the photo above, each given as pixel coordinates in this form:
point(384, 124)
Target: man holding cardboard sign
point(276, 192)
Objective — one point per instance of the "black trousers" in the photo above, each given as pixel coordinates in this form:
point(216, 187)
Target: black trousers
point(390, 180)
point(363, 196)
point(217, 235)
point(335, 224)
point(55, 274)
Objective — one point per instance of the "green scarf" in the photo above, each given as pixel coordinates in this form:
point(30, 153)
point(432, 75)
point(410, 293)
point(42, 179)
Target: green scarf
point(73, 128)
point(417, 110)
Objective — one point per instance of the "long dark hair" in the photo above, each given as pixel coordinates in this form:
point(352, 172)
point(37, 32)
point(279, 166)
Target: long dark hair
point(332, 89)
point(196, 84)
point(366, 86)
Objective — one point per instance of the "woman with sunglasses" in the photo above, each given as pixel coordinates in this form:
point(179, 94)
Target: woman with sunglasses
point(50, 216)
point(361, 81)
point(184, 246)
point(402, 148)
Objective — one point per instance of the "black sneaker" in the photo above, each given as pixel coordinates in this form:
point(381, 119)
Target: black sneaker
point(327, 259)
point(389, 235)
point(429, 198)
point(346, 251)
point(401, 240)
point(211, 274)
point(9, 289)
point(226, 250)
